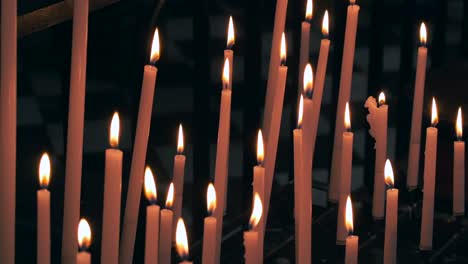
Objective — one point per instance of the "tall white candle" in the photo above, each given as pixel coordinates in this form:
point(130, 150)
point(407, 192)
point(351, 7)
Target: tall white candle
point(84, 241)
point(178, 176)
point(165, 243)
point(152, 220)
point(352, 241)
point(259, 187)
point(251, 236)
point(209, 230)
point(459, 169)
point(43, 212)
point(391, 217)
point(305, 39)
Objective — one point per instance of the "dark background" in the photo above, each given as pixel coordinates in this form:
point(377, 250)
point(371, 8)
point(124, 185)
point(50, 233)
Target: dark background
point(193, 37)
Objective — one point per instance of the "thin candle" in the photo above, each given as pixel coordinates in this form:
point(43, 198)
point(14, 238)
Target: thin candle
point(259, 187)
point(305, 39)
point(179, 175)
point(182, 247)
point(43, 212)
point(352, 241)
point(391, 217)
point(152, 219)
point(459, 169)
point(84, 241)
point(165, 241)
point(251, 236)
point(209, 232)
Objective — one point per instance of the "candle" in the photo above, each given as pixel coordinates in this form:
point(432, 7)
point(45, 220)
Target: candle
point(430, 160)
point(165, 228)
point(251, 236)
point(209, 233)
point(74, 154)
point(43, 212)
point(139, 156)
point(8, 98)
point(320, 80)
point(391, 217)
point(272, 128)
point(112, 192)
point(305, 38)
point(84, 241)
point(343, 97)
point(415, 138)
point(228, 52)
point(459, 169)
point(259, 187)
point(152, 219)
point(377, 119)
point(178, 178)
point(182, 242)
point(222, 155)
point(345, 181)
point(352, 241)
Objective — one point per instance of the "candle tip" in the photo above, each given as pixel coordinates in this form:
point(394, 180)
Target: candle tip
point(309, 10)
point(155, 47)
point(150, 186)
point(211, 199)
point(180, 140)
point(181, 240)
point(44, 171)
point(308, 81)
point(434, 115)
point(257, 211)
point(388, 171)
point(349, 216)
point(260, 148)
point(170, 196)
point(423, 34)
point(283, 49)
point(226, 74)
point(114, 130)
point(300, 112)
point(382, 98)
point(231, 36)
point(84, 235)
point(459, 124)
point(325, 24)
point(347, 117)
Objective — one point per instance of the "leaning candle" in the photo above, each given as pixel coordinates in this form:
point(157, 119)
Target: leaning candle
point(139, 156)
point(152, 219)
point(391, 217)
point(76, 109)
point(459, 169)
point(43, 212)
point(352, 241)
point(418, 97)
point(209, 230)
point(112, 193)
point(165, 241)
point(178, 178)
point(182, 242)
point(344, 96)
point(251, 237)
point(259, 187)
point(305, 39)
point(430, 160)
point(84, 241)
point(345, 181)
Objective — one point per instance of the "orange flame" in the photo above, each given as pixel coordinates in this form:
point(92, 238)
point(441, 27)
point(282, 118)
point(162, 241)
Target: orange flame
point(260, 147)
point(325, 24)
point(180, 140)
point(434, 115)
point(231, 38)
point(283, 49)
point(155, 48)
point(300, 112)
point(114, 130)
point(309, 10)
point(44, 170)
point(349, 216)
point(170, 196)
point(388, 171)
point(181, 239)
point(347, 117)
point(308, 80)
point(84, 234)
point(150, 186)
point(211, 199)
point(423, 34)
point(381, 98)
point(459, 124)
point(256, 211)
point(226, 73)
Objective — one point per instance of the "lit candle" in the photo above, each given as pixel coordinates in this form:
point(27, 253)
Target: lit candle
point(139, 156)
point(251, 236)
point(222, 155)
point(259, 187)
point(344, 96)
point(43, 212)
point(352, 241)
point(165, 228)
point(418, 97)
point(152, 219)
point(430, 160)
point(391, 217)
point(345, 180)
point(84, 241)
point(178, 178)
point(272, 128)
point(209, 233)
point(377, 119)
point(76, 109)
point(319, 81)
point(459, 169)
point(182, 242)
point(305, 39)
point(112, 193)
point(8, 106)
point(228, 52)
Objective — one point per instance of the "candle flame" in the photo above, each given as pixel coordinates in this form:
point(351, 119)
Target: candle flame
point(434, 115)
point(155, 48)
point(211, 199)
point(347, 117)
point(423, 34)
point(226, 73)
point(84, 234)
point(181, 239)
point(459, 124)
point(180, 140)
point(349, 216)
point(325, 24)
point(300, 112)
point(170, 196)
point(308, 80)
point(256, 211)
point(283, 49)
point(381, 98)
point(309, 10)
point(388, 171)
point(260, 147)
point(231, 38)
point(44, 170)
point(114, 130)
point(150, 186)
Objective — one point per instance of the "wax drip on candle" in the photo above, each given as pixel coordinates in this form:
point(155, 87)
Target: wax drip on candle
point(325, 25)
point(308, 81)
point(300, 112)
point(257, 212)
point(226, 74)
point(155, 47)
point(170, 196)
point(44, 171)
point(283, 50)
point(211, 199)
point(182, 240)
point(349, 216)
point(434, 116)
point(423, 35)
point(180, 141)
point(84, 235)
point(459, 125)
point(114, 131)
point(388, 171)
point(309, 11)
point(150, 186)
point(260, 148)
point(347, 118)
point(231, 38)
